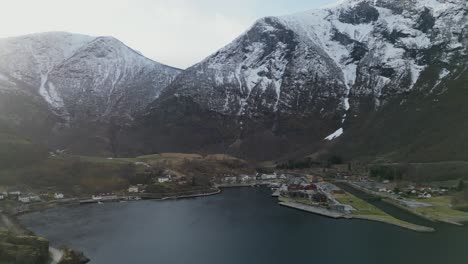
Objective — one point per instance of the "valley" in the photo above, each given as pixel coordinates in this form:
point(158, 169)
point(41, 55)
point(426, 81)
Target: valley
point(355, 111)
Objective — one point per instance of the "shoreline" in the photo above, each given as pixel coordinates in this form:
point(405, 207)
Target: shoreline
point(409, 210)
point(337, 215)
point(181, 197)
point(11, 222)
point(396, 203)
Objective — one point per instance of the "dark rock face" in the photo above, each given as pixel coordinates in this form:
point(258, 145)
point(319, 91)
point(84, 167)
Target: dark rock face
point(359, 50)
point(289, 82)
point(179, 124)
point(394, 36)
point(396, 6)
point(362, 13)
point(426, 21)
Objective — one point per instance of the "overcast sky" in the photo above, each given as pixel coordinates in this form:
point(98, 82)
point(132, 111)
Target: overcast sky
point(176, 32)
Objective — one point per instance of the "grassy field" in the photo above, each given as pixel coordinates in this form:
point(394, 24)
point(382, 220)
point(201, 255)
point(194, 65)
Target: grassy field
point(365, 210)
point(362, 207)
point(442, 210)
point(76, 175)
point(440, 174)
point(16, 151)
point(23, 249)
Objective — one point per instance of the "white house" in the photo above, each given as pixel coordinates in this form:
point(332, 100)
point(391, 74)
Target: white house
point(2, 197)
point(425, 196)
point(133, 189)
point(24, 199)
point(268, 176)
point(163, 180)
point(230, 179)
point(59, 196)
point(15, 193)
point(246, 178)
point(34, 198)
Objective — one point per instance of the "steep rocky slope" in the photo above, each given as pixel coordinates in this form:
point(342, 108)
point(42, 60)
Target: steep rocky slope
point(73, 88)
point(290, 82)
point(82, 75)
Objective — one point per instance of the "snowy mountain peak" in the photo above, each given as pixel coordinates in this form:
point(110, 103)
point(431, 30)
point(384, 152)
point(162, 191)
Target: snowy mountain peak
point(326, 63)
point(29, 57)
point(79, 75)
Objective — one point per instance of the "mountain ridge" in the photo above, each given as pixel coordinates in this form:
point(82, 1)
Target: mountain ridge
point(324, 67)
point(290, 85)
point(88, 84)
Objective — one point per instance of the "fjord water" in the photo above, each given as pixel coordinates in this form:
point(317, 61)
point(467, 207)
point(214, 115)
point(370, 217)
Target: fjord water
point(238, 226)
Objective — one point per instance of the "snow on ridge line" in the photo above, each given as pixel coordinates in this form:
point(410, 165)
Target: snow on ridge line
point(335, 134)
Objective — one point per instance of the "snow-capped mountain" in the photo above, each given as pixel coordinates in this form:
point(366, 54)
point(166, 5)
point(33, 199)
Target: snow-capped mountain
point(358, 47)
point(82, 77)
point(306, 75)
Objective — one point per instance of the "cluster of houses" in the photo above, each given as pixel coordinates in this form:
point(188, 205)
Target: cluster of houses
point(419, 192)
point(139, 188)
point(26, 198)
point(242, 179)
point(426, 192)
point(319, 193)
point(105, 197)
point(250, 179)
point(168, 177)
point(299, 187)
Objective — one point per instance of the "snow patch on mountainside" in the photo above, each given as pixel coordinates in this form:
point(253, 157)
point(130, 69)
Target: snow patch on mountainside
point(335, 135)
point(50, 94)
point(442, 75)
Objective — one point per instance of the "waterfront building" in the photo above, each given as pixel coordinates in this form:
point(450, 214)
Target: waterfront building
point(268, 176)
point(14, 195)
point(24, 199)
point(164, 179)
point(133, 189)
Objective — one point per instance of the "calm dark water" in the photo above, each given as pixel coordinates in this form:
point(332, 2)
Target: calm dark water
point(240, 226)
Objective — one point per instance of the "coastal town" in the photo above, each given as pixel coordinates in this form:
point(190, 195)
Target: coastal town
point(341, 197)
point(333, 191)
point(333, 197)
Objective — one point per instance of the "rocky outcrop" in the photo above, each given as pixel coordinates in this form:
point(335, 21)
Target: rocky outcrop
point(23, 249)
